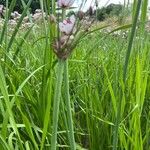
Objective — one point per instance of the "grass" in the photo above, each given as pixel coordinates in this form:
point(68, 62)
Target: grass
point(95, 85)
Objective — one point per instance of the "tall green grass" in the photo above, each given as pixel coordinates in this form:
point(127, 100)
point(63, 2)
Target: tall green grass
point(96, 88)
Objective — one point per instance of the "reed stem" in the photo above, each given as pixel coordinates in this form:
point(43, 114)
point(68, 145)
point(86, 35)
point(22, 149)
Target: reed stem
point(57, 96)
point(68, 107)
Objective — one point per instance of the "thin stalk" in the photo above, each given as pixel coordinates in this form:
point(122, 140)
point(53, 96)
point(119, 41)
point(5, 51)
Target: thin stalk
point(131, 39)
point(118, 118)
point(57, 96)
point(67, 97)
point(68, 106)
point(96, 4)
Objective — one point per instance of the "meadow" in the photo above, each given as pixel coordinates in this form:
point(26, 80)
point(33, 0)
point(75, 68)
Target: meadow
point(96, 99)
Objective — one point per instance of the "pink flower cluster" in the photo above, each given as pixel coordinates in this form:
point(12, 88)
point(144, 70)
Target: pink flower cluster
point(69, 28)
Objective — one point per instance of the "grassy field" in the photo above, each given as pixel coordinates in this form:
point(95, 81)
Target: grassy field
point(103, 90)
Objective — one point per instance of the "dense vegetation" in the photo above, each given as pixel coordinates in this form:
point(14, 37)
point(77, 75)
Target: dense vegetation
point(106, 79)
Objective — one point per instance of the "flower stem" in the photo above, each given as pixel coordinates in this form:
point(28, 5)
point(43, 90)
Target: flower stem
point(60, 69)
point(68, 107)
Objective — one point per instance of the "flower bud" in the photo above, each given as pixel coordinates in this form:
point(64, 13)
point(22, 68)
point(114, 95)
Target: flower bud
point(63, 39)
point(80, 15)
point(52, 18)
point(96, 3)
point(91, 11)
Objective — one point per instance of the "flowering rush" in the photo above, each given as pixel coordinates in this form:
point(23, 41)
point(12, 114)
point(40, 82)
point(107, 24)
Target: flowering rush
point(67, 25)
point(65, 3)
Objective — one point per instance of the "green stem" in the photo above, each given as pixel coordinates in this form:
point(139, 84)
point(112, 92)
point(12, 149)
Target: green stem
point(57, 96)
point(68, 106)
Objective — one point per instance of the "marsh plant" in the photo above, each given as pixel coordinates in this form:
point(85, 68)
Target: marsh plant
point(70, 31)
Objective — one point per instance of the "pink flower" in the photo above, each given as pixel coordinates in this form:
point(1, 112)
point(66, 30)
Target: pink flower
point(65, 3)
point(67, 25)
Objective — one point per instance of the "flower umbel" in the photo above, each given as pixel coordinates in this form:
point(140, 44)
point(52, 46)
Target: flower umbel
point(65, 3)
point(70, 36)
